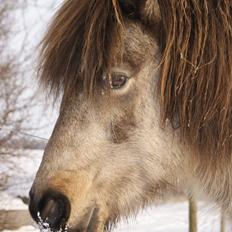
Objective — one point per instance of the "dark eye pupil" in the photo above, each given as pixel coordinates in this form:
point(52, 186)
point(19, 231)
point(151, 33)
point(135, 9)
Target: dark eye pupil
point(118, 81)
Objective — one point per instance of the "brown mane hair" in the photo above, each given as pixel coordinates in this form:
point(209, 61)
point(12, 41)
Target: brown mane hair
point(196, 65)
point(196, 73)
point(78, 45)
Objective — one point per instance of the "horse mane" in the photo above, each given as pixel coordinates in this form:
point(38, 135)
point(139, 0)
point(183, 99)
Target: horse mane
point(195, 71)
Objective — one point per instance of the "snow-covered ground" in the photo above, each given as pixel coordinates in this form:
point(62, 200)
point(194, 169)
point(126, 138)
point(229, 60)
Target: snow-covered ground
point(21, 170)
point(169, 217)
point(164, 218)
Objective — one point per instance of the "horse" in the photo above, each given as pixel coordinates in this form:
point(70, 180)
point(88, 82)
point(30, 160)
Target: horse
point(146, 109)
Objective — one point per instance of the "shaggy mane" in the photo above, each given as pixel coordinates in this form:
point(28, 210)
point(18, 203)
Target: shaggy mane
point(78, 45)
point(196, 73)
point(196, 66)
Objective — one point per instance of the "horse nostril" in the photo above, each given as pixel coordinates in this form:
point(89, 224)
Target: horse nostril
point(53, 209)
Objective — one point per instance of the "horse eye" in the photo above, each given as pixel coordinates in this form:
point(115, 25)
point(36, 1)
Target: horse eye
point(118, 80)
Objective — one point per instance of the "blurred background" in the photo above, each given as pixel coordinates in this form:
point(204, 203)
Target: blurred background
point(27, 117)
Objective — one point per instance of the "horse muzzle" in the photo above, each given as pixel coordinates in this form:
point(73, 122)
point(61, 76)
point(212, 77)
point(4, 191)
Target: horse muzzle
point(51, 210)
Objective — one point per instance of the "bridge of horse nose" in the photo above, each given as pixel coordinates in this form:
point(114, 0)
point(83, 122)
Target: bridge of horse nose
point(53, 208)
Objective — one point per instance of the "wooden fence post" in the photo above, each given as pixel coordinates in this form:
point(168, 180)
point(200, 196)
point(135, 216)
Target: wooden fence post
point(192, 214)
point(222, 223)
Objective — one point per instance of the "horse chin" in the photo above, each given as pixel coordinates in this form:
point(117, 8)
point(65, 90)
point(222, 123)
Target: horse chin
point(95, 227)
point(92, 223)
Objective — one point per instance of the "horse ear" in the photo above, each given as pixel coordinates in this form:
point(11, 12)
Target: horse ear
point(146, 10)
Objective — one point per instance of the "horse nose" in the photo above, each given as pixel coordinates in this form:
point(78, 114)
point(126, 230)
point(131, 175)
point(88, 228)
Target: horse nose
point(52, 209)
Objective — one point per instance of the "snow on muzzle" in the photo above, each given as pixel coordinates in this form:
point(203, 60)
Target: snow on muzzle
point(51, 210)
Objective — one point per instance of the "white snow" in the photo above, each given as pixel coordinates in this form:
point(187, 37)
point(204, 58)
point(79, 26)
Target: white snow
point(9, 202)
point(24, 229)
point(163, 218)
point(171, 217)
point(21, 170)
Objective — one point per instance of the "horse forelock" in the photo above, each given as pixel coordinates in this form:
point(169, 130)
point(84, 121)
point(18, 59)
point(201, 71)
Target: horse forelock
point(196, 66)
point(78, 45)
